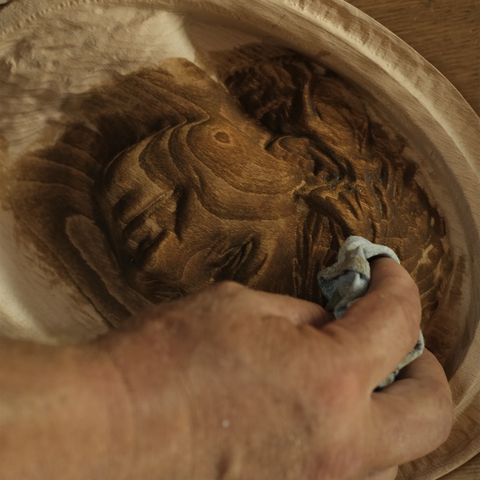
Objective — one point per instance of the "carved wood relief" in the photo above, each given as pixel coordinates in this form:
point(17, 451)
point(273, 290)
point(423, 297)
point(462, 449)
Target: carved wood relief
point(355, 134)
point(259, 182)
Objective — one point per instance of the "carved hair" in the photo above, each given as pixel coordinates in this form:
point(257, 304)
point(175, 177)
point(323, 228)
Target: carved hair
point(360, 179)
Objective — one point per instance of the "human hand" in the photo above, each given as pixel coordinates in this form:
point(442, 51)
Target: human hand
point(235, 383)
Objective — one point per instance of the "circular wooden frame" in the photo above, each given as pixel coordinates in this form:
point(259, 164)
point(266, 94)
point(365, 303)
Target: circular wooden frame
point(413, 94)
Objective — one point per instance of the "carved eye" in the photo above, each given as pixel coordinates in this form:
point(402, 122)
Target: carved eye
point(222, 136)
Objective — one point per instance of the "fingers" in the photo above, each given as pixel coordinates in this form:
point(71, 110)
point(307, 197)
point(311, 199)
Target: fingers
point(382, 327)
point(413, 416)
point(242, 301)
point(299, 312)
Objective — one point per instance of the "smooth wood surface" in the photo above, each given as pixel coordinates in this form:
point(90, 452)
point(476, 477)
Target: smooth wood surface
point(445, 32)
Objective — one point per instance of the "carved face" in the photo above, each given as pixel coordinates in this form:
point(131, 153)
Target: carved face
point(259, 184)
point(201, 202)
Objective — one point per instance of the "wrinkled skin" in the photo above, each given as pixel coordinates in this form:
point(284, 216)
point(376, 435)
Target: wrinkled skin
point(265, 387)
point(229, 383)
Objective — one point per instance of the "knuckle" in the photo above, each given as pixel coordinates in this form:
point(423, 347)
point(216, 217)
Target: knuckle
point(345, 460)
point(409, 285)
point(227, 287)
point(443, 427)
point(445, 411)
point(441, 409)
point(411, 312)
point(347, 374)
point(349, 381)
point(446, 427)
point(354, 381)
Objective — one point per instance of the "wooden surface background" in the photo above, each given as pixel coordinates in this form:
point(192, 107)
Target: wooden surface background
point(447, 34)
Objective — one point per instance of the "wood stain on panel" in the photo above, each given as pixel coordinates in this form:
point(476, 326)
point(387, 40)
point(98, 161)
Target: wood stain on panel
point(256, 178)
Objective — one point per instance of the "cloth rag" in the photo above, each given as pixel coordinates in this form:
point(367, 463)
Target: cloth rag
point(347, 281)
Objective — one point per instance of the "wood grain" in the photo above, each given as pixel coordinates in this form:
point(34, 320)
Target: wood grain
point(469, 471)
point(424, 105)
point(445, 32)
point(262, 191)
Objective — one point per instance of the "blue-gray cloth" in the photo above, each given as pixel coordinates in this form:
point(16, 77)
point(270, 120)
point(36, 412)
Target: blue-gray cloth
point(346, 281)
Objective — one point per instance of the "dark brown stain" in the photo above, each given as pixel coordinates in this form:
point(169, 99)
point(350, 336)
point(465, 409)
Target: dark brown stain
point(358, 180)
point(259, 182)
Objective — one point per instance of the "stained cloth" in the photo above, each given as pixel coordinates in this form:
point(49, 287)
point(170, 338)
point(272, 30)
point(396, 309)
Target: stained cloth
point(347, 281)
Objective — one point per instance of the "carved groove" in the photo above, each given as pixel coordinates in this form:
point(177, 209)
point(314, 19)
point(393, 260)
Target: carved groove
point(259, 182)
